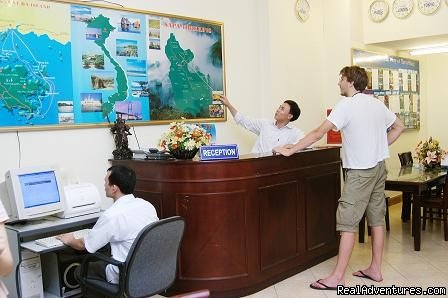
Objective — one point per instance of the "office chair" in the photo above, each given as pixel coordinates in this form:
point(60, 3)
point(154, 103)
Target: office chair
point(150, 267)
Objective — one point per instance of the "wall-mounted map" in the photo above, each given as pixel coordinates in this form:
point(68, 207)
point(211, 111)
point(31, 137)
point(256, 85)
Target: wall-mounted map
point(65, 65)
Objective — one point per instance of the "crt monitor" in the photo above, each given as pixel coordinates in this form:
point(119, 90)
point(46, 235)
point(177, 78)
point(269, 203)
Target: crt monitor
point(33, 192)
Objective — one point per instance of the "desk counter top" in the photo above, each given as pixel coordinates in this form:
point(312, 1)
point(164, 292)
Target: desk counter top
point(250, 222)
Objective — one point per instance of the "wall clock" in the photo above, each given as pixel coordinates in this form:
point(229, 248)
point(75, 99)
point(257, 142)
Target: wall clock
point(302, 10)
point(428, 7)
point(402, 8)
point(378, 10)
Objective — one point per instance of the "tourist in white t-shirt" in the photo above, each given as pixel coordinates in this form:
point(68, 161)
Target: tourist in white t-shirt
point(368, 127)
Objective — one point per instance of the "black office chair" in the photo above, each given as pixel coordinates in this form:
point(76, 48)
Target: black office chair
point(150, 267)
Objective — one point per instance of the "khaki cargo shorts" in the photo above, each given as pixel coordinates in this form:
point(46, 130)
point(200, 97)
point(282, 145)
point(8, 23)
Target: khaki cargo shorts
point(363, 192)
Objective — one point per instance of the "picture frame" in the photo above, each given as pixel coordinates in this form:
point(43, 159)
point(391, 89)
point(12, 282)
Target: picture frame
point(90, 62)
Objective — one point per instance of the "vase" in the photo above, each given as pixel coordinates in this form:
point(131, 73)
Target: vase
point(184, 154)
point(432, 165)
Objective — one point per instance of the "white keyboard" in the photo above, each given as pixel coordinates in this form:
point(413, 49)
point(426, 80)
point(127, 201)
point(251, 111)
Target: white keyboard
point(51, 241)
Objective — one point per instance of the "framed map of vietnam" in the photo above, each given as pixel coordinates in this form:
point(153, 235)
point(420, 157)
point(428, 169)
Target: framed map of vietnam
point(66, 65)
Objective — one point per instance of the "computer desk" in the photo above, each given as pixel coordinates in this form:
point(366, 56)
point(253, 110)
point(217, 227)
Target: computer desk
point(21, 238)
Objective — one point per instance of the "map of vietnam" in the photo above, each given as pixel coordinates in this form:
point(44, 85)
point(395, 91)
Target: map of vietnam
point(106, 28)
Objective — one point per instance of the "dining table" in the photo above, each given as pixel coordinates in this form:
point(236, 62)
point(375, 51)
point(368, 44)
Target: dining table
point(416, 180)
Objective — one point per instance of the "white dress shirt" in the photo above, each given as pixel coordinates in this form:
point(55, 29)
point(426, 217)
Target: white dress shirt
point(119, 225)
point(269, 135)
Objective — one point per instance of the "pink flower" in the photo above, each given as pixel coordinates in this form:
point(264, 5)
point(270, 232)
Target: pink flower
point(431, 156)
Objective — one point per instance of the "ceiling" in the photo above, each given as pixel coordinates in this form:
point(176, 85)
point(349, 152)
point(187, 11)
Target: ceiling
point(414, 43)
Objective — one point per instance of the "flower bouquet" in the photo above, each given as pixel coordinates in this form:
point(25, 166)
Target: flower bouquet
point(183, 140)
point(429, 153)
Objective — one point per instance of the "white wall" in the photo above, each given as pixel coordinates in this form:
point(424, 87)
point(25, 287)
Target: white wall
point(83, 153)
point(435, 77)
point(415, 25)
point(269, 55)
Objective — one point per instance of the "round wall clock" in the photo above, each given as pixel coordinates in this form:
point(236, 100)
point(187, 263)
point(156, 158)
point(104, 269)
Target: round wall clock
point(378, 10)
point(428, 7)
point(302, 10)
point(402, 8)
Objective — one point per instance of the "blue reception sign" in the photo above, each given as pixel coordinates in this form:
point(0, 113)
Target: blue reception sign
point(215, 152)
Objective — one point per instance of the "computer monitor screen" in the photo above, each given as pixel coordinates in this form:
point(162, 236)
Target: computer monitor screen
point(33, 192)
point(39, 189)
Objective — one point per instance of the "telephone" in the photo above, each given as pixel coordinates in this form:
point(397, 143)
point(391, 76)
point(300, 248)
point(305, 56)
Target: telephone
point(152, 153)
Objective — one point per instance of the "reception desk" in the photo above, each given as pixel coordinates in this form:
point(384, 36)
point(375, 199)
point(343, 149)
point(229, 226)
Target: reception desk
point(250, 222)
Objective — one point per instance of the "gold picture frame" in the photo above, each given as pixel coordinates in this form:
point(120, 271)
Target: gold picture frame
point(80, 64)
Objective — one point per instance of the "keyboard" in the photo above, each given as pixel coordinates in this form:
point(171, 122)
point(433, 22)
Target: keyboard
point(51, 242)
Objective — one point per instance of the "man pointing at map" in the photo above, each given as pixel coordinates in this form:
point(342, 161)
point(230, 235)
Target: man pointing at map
point(270, 133)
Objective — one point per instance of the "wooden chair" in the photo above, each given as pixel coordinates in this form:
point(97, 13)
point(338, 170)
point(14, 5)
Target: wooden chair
point(405, 158)
point(440, 201)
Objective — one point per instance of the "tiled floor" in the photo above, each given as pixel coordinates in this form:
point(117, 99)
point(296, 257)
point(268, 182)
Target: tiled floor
point(402, 266)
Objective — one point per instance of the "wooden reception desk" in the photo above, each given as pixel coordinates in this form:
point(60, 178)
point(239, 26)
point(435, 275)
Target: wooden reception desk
point(250, 222)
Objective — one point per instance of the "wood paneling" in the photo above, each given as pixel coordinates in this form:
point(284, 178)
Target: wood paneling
point(249, 222)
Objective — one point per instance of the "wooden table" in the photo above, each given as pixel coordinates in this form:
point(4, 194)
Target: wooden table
point(416, 180)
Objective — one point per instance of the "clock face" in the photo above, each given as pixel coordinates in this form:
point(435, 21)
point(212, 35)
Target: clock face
point(302, 9)
point(428, 7)
point(378, 11)
point(402, 8)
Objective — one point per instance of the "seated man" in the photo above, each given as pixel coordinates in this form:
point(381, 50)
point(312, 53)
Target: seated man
point(270, 133)
point(118, 226)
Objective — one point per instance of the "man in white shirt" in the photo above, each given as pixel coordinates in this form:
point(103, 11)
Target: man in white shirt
point(368, 128)
point(118, 225)
point(270, 133)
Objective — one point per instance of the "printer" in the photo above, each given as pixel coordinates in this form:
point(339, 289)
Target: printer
point(80, 199)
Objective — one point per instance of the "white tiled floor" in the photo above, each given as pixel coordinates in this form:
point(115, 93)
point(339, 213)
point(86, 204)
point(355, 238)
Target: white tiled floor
point(402, 266)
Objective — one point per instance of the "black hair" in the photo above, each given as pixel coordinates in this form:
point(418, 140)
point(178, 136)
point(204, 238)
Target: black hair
point(123, 177)
point(294, 109)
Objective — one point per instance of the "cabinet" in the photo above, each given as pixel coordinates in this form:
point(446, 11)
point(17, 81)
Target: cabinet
point(250, 222)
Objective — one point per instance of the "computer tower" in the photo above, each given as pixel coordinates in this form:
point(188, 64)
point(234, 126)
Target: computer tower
point(30, 276)
point(58, 271)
